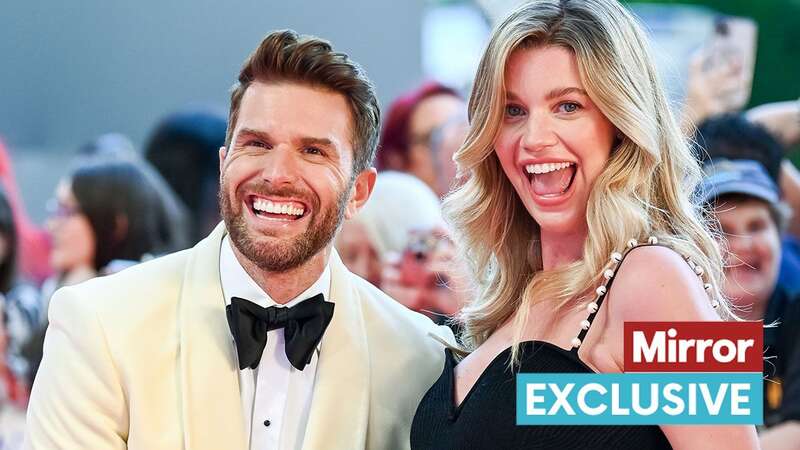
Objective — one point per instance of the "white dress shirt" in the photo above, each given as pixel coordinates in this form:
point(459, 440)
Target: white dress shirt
point(276, 397)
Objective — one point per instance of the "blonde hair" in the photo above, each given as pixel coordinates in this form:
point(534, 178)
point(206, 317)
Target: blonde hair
point(643, 191)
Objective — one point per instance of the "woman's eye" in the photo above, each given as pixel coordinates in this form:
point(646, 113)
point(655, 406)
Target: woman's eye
point(568, 107)
point(514, 111)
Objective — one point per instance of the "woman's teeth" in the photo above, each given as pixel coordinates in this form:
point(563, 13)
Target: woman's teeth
point(547, 167)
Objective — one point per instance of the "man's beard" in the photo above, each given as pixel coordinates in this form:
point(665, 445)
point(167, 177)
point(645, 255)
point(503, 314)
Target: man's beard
point(281, 255)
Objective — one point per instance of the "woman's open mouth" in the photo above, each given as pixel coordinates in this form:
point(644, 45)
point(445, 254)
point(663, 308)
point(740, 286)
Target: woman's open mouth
point(550, 180)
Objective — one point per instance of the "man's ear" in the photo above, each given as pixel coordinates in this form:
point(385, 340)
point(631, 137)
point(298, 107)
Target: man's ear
point(223, 152)
point(362, 189)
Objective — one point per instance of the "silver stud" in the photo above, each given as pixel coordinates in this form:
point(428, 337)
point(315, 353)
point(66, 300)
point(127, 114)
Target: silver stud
point(691, 264)
point(601, 290)
point(632, 243)
point(608, 274)
point(698, 270)
point(707, 286)
point(591, 307)
point(616, 257)
point(585, 324)
point(652, 240)
point(715, 304)
point(576, 342)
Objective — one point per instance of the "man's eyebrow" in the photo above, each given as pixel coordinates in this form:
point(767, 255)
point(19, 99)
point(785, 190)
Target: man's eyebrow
point(250, 132)
point(560, 92)
point(324, 142)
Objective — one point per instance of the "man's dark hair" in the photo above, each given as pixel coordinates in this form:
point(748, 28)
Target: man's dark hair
point(734, 137)
point(284, 56)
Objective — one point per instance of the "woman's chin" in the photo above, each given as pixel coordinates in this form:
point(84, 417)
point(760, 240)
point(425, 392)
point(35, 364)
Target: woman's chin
point(559, 223)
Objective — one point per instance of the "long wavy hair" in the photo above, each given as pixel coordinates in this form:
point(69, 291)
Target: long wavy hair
point(643, 191)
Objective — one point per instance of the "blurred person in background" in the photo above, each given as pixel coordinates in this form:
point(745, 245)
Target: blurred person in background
point(782, 120)
point(410, 123)
point(34, 241)
point(105, 214)
point(174, 226)
point(398, 242)
point(104, 218)
point(21, 308)
point(184, 148)
point(12, 398)
point(18, 318)
point(743, 166)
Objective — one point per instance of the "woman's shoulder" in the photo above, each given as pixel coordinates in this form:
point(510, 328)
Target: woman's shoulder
point(654, 282)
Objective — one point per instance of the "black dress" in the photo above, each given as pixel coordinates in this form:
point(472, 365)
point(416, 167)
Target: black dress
point(486, 418)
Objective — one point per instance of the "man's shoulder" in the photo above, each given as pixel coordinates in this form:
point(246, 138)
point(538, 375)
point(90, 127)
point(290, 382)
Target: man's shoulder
point(389, 319)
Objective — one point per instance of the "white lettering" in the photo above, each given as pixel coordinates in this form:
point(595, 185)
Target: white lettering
point(640, 347)
point(533, 399)
point(737, 398)
point(561, 399)
point(591, 410)
point(669, 395)
point(715, 405)
point(637, 402)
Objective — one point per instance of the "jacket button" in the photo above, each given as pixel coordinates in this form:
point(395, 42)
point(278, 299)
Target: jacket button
point(267, 422)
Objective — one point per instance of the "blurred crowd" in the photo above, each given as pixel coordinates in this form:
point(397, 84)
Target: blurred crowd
point(117, 205)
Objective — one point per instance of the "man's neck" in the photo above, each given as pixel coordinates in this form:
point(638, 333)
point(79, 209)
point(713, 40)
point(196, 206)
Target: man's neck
point(282, 287)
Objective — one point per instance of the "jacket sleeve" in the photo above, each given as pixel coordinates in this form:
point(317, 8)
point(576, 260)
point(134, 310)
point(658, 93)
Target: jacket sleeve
point(77, 401)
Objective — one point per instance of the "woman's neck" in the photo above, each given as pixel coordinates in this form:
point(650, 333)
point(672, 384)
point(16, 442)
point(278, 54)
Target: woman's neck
point(559, 249)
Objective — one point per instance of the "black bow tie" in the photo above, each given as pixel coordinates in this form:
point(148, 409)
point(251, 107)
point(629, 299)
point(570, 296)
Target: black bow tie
point(303, 326)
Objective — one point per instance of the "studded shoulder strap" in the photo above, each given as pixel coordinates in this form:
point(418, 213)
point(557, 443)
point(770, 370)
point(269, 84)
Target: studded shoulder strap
point(608, 279)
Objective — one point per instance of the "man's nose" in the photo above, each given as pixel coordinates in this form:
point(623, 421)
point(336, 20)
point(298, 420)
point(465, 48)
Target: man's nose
point(279, 167)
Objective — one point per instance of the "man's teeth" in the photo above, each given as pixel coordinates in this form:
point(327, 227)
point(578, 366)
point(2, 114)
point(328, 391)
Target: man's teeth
point(547, 167)
point(277, 208)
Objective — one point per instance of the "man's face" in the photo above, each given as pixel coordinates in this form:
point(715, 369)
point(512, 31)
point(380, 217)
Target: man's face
point(753, 262)
point(286, 180)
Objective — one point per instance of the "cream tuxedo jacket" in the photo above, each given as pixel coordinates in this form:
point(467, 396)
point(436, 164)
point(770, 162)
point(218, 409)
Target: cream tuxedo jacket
point(144, 360)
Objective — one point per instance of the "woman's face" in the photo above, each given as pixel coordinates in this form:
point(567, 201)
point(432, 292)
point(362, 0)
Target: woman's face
point(73, 239)
point(751, 268)
point(553, 141)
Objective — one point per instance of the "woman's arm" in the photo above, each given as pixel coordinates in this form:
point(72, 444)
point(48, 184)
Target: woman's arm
point(656, 284)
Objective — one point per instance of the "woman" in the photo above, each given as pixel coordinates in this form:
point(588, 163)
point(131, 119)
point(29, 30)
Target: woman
point(572, 154)
point(411, 134)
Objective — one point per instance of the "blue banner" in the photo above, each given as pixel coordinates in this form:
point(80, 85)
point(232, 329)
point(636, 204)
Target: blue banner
point(657, 398)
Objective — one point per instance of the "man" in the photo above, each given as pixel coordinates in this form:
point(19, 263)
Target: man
point(189, 351)
point(744, 169)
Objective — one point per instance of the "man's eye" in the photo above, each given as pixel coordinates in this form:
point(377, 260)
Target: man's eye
point(313, 151)
point(255, 144)
point(514, 111)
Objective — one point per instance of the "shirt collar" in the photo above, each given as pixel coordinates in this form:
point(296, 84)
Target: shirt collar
point(236, 282)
